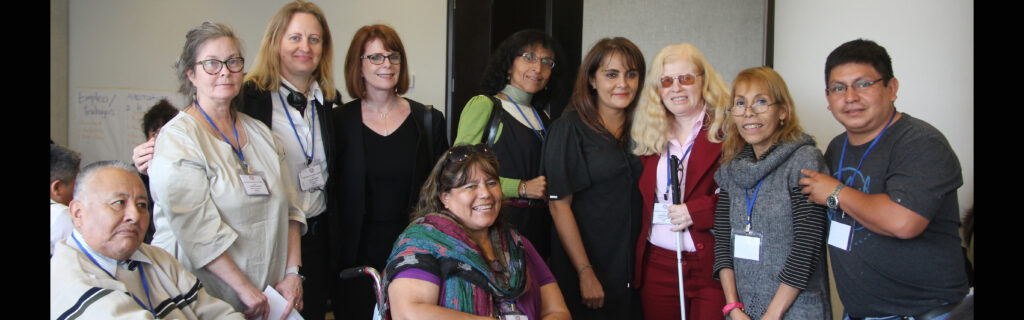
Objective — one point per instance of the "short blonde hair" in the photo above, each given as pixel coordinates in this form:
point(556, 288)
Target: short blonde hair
point(651, 122)
point(266, 72)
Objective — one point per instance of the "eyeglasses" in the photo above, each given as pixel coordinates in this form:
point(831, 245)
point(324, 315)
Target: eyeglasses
point(684, 79)
point(213, 66)
point(760, 106)
point(840, 88)
point(458, 154)
point(532, 58)
point(378, 58)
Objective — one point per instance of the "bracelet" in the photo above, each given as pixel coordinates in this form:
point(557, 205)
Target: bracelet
point(729, 307)
point(585, 268)
point(522, 189)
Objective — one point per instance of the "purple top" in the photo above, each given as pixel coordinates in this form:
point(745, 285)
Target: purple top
point(537, 273)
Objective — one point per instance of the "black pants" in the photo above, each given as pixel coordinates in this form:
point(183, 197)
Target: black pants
point(321, 282)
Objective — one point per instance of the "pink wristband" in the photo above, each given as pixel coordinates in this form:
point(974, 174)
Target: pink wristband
point(729, 307)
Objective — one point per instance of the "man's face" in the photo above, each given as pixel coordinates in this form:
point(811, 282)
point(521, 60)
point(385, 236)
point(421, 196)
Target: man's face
point(112, 213)
point(862, 111)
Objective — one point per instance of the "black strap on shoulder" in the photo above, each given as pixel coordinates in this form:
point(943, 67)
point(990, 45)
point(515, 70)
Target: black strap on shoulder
point(491, 135)
point(428, 125)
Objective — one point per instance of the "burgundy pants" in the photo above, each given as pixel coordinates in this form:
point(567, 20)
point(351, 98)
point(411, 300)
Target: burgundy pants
point(660, 289)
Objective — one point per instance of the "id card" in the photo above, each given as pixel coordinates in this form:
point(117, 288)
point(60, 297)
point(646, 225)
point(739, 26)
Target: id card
point(839, 235)
point(746, 245)
point(510, 312)
point(254, 183)
point(660, 214)
point(311, 178)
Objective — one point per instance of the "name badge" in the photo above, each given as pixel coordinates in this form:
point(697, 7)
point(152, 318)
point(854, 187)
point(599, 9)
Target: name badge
point(839, 235)
point(514, 317)
point(254, 184)
point(311, 178)
point(660, 215)
point(747, 245)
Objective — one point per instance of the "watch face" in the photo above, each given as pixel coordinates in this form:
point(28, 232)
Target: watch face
point(831, 202)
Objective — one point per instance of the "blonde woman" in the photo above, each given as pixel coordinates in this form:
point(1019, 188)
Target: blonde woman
point(674, 118)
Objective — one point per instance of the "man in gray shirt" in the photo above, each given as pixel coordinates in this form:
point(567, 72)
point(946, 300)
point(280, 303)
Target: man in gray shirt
point(893, 236)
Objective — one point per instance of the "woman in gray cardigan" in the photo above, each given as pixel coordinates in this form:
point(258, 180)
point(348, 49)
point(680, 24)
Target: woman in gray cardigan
point(769, 240)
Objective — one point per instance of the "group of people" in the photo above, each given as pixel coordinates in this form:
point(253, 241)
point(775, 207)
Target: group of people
point(267, 179)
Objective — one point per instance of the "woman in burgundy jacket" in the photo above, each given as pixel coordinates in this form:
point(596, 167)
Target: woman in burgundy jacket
point(677, 105)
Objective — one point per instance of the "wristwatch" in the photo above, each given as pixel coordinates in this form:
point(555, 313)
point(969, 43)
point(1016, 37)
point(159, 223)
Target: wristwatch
point(296, 270)
point(833, 199)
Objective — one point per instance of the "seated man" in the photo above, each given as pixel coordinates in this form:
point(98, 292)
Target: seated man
point(104, 271)
point(64, 165)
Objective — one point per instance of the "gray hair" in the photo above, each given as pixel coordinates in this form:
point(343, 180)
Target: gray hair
point(95, 167)
point(195, 39)
point(64, 163)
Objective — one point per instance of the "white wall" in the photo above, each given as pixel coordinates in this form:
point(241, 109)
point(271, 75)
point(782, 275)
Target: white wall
point(931, 43)
point(127, 44)
point(729, 33)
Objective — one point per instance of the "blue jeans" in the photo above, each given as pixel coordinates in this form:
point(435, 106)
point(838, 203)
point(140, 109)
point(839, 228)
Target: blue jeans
point(942, 317)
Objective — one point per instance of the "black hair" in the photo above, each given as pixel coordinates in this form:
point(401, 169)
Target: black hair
point(501, 60)
point(861, 51)
point(157, 116)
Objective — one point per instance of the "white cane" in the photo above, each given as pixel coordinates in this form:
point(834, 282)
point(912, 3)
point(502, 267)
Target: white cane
point(677, 199)
point(679, 268)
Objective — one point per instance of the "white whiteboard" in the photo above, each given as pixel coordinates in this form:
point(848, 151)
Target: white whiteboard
point(105, 124)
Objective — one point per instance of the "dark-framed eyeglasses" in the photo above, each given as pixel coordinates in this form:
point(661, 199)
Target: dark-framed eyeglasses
point(840, 88)
point(685, 79)
point(378, 58)
point(532, 58)
point(759, 106)
point(213, 66)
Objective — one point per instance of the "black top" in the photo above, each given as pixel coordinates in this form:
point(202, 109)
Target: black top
point(389, 170)
point(352, 176)
point(602, 177)
point(519, 154)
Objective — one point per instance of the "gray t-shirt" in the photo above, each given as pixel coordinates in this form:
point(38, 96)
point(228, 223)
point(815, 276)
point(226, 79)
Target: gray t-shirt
point(880, 275)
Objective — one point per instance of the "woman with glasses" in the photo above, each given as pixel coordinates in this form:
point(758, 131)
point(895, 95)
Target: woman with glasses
point(510, 117)
point(594, 201)
point(390, 143)
point(676, 109)
point(769, 240)
point(459, 260)
point(225, 204)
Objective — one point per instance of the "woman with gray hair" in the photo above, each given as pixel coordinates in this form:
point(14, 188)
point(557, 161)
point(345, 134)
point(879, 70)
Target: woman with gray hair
point(225, 205)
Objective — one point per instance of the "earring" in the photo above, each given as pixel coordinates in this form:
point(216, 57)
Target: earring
point(782, 122)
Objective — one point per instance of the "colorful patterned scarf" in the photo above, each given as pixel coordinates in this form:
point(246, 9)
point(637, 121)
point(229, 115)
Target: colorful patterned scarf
point(436, 243)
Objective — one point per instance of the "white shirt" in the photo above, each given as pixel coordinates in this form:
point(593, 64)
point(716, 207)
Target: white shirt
point(312, 202)
point(60, 223)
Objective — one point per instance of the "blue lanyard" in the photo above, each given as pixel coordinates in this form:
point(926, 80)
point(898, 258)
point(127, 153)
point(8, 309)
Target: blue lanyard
point(238, 151)
point(839, 172)
point(668, 170)
point(750, 201)
point(528, 120)
point(312, 145)
point(142, 273)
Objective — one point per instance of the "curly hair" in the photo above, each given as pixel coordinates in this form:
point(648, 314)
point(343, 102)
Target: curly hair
point(157, 116)
point(496, 75)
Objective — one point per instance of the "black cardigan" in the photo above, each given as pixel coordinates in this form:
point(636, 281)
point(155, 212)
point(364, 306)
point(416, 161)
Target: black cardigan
point(258, 104)
point(348, 120)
